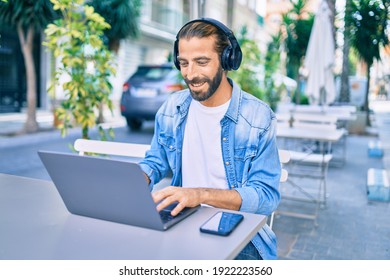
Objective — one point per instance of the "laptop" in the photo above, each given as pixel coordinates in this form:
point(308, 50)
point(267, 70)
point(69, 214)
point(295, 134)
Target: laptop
point(107, 189)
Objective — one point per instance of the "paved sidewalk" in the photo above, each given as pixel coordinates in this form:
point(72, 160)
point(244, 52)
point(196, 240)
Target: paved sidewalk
point(12, 123)
point(11, 126)
point(351, 226)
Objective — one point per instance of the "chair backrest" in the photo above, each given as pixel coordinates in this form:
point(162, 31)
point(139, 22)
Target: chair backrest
point(284, 157)
point(83, 146)
point(110, 148)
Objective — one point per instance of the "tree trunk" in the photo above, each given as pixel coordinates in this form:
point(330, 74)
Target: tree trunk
point(26, 43)
point(114, 45)
point(366, 104)
point(332, 7)
point(344, 88)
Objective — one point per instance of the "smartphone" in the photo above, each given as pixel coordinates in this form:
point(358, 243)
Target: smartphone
point(222, 223)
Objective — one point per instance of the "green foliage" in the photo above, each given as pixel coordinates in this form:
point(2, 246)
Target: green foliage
point(122, 15)
point(369, 33)
point(35, 14)
point(271, 65)
point(298, 25)
point(28, 18)
point(297, 28)
point(303, 99)
point(246, 76)
point(353, 62)
point(369, 23)
point(77, 40)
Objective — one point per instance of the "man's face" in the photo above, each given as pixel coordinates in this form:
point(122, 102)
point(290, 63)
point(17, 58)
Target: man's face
point(200, 66)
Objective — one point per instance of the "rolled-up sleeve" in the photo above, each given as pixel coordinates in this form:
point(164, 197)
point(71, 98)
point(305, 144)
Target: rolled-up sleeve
point(261, 194)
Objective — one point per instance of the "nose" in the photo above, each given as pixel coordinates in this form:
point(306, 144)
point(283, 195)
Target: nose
point(189, 72)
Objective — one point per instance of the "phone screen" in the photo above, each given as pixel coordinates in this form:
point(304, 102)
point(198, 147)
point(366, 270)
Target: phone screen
point(222, 223)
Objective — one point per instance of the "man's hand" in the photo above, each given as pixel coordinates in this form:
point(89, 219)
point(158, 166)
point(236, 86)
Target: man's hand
point(186, 197)
point(191, 197)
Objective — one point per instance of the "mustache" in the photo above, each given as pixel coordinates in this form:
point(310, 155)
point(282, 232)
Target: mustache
point(196, 80)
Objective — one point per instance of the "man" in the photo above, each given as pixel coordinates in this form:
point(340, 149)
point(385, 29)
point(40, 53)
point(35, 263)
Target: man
point(218, 141)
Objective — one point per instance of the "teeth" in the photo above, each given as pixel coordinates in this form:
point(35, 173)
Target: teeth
point(197, 85)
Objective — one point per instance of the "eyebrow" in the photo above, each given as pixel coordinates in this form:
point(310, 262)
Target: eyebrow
point(195, 59)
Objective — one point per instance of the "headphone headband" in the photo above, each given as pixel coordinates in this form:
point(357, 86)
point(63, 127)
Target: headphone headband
point(231, 56)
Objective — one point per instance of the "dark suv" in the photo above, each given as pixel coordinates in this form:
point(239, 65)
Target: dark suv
point(146, 90)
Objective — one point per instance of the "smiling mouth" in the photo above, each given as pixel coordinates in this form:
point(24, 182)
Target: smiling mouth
point(196, 85)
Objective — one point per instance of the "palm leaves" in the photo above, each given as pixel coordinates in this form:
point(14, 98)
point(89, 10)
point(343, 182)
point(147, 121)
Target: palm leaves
point(369, 33)
point(122, 15)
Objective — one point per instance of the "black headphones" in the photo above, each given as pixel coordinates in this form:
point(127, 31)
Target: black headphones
point(231, 56)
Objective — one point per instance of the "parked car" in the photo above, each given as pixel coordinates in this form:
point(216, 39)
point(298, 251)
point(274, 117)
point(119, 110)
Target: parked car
point(146, 90)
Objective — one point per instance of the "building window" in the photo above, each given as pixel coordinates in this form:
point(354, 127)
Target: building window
point(167, 14)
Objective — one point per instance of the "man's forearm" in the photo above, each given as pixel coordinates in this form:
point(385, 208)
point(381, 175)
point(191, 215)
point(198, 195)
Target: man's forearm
point(227, 199)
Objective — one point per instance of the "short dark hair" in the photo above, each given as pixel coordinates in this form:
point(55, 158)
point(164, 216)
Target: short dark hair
point(201, 29)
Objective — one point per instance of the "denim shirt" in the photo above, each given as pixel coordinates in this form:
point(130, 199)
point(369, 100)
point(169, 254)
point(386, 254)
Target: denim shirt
point(249, 152)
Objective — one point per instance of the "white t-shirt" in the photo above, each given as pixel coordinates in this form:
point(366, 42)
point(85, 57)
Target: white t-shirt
point(202, 162)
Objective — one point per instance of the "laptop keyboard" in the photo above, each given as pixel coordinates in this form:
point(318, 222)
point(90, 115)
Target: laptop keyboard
point(166, 216)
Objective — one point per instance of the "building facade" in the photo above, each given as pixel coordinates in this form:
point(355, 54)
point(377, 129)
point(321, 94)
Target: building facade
point(159, 22)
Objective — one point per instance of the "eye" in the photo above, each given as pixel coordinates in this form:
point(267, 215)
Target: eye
point(202, 62)
point(183, 63)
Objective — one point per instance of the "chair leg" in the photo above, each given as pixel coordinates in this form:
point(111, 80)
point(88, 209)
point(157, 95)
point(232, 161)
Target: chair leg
point(271, 220)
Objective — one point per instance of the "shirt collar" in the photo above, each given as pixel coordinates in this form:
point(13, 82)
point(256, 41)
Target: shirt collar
point(234, 107)
point(235, 103)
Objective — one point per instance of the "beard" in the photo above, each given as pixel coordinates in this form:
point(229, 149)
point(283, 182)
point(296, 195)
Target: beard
point(213, 86)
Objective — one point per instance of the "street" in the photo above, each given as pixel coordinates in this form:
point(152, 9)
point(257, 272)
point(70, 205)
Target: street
point(19, 157)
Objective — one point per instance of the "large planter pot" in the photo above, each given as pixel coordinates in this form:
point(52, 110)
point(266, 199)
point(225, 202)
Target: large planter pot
point(359, 125)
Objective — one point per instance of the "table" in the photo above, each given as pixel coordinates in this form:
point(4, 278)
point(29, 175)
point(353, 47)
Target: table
point(308, 164)
point(342, 113)
point(34, 224)
point(315, 134)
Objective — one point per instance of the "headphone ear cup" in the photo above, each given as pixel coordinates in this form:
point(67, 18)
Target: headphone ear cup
point(175, 54)
point(226, 58)
point(236, 58)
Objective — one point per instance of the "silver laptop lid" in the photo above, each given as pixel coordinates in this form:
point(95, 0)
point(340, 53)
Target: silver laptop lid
point(102, 188)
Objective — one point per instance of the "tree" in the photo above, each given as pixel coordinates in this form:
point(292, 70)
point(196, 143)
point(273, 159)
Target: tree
point(77, 40)
point(297, 24)
point(29, 17)
point(344, 87)
point(369, 34)
point(123, 17)
point(247, 75)
point(271, 65)
point(332, 8)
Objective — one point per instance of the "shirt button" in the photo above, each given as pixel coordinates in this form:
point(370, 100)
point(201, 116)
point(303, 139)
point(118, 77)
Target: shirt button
point(227, 163)
point(224, 139)
point(171, 147)
point(232, 186)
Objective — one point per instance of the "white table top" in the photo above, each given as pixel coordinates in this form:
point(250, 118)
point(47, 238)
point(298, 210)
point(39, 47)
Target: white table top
point(316, 134)
point(341, 113)
point(307, 117)
point(36, 225)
